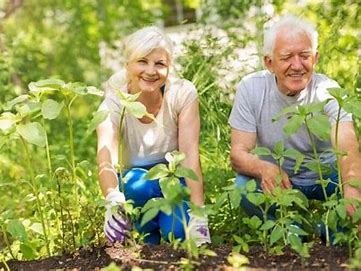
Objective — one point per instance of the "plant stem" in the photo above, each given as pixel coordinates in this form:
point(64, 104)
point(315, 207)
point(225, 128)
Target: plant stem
point(321, 177)
point(71, 138)
point(35, 191)
point(337, 151)
point(7, 242)
point(120, 149)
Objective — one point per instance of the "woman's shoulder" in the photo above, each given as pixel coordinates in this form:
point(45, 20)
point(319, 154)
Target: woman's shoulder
point(116, 82)
point(178, 85)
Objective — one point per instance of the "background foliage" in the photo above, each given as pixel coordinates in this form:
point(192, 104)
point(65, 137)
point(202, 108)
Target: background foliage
point(66, 39)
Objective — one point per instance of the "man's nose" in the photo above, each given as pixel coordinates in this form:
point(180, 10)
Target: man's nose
point(296, 63)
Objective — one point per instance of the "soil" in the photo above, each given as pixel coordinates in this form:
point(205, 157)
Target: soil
point(163, 257)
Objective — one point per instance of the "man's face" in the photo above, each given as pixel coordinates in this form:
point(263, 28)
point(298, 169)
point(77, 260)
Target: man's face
point(292, 62)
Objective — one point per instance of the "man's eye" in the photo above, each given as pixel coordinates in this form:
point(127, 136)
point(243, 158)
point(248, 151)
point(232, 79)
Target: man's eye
point(305, 57)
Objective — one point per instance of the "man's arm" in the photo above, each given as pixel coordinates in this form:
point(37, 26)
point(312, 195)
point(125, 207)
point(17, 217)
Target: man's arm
point(351, 162)
point(246, 163)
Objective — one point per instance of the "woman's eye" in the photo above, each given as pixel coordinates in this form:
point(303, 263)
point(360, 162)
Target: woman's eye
point(142, 61)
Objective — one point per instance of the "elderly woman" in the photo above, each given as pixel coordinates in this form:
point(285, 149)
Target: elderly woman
point(173, 103)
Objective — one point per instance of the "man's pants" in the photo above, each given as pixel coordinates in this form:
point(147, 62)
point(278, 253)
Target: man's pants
point(140, 191)
point(311, 192)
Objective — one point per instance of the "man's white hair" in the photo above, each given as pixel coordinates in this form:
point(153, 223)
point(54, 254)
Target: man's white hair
point(291, 26)
point(144, 41)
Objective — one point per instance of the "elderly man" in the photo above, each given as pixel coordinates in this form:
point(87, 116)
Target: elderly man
point(290, 54)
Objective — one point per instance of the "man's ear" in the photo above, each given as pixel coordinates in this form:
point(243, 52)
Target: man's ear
point(317, 56)
point(268, 63)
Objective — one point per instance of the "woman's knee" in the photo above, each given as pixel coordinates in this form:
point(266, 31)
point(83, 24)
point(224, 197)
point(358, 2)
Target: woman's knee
point(139, 189)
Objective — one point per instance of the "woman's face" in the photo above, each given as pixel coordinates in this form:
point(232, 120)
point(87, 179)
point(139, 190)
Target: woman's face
point(148, 73)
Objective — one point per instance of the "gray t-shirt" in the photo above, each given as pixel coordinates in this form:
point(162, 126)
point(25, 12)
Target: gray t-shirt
point(258, 100)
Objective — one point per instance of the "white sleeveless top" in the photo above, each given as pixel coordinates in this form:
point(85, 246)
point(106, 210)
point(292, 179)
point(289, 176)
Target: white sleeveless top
point(146, 144)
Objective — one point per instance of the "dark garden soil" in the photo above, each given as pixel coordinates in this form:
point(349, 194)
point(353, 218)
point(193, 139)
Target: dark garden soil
point(163, 257)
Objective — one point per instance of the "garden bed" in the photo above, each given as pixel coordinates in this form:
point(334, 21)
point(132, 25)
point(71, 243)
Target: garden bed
point(163, 257)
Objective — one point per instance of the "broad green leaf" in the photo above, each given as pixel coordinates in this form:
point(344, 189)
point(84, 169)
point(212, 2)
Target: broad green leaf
point(293, 124)
point(126, 97)
point(353, 106)
point(94, 91)
point(341, 211)
point(315, 107)
point(332, 220)
point(28, 251)
point(256, 198)
point(278, 148)
point(269, 224)
point(37, 227)
point(51, 109)
point(339, 94)
point(251, 186)
point(45, 85)
point(33, 133)
point(137, 109)
point(175, 157)
point(235, 197)
point(297, 230)
point(77, 88)
point(320, 126)
point(98, 118)
point(276, 234)
point(17, 230)
point(185, 172)
point(7, 121)
point(149, 215)
point(295, 241)
point(29, 108)
point(157, 172)
point(50, 83)
point(19, 99)
point(254, 222)
point(261, 151)
point(284, 112)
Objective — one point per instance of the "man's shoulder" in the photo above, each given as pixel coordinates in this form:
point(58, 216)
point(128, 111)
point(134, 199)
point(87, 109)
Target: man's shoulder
point(323, 81)
point(259, 75)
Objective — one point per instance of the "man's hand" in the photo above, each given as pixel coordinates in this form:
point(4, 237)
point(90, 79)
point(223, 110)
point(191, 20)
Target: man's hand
point(269, 175)
point(198, 229)
point(352, 193)
point(116, 224)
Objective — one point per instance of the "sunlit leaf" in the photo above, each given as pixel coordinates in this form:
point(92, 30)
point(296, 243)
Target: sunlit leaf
point(29, 108)
point(276, 234)
point(98, 118)
point(293, 124)
point(157, 172)
point(37, 227)
point(28, 251)
point(7, 121)
point(185, 172)
point(269, 224)
point(51, 109)
point(33, 133)
point(149, 215)
point(19, 99)
point(261, 151)
point(17, 230)
point(94, 91)
point(256, 198)
point(320, 126)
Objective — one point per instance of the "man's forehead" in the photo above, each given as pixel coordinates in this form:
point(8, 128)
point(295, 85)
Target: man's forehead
point(286, 51)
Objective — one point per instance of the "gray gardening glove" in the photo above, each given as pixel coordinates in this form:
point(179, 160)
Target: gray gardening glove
point(198, 229)
point(116, 224)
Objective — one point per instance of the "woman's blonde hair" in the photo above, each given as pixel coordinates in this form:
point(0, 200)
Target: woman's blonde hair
point(144, 41)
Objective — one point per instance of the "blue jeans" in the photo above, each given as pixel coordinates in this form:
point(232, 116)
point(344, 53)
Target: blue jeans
point(140, 191)
point(311, 192)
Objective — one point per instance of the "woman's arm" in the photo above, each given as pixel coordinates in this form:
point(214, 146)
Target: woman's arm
point(107, 156)
point(188, 139)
